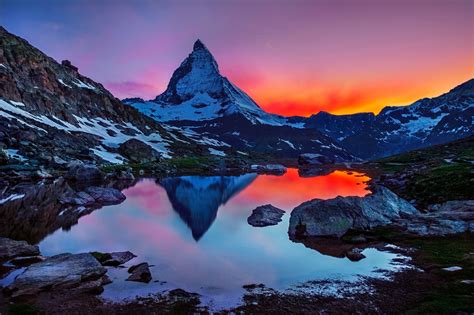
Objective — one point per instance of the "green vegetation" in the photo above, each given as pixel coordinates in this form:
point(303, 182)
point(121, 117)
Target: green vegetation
point(101, 257)
point(433, 175)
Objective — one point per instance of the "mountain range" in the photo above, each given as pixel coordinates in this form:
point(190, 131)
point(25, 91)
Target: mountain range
point(51, 114)
point(199, 98)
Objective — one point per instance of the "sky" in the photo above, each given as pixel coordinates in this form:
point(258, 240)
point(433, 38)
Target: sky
point(293, 57)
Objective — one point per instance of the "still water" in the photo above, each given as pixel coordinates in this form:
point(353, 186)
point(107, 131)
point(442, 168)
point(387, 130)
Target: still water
point(194, 232)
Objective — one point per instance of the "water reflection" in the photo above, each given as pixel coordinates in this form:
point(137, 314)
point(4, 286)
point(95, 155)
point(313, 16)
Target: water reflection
point(161, 221)
point(197, 198)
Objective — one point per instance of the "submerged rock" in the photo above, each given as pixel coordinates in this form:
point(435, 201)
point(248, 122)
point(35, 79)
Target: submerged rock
point(140, 273)
point(60, 272)
point(334, 217)
point(355, 254)
point(10, 248)
point(265, 215)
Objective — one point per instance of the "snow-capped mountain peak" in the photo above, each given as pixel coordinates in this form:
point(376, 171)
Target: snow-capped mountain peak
point(197, 91)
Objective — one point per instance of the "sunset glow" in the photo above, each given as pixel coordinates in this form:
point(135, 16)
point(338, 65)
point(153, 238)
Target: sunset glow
point(292, 57)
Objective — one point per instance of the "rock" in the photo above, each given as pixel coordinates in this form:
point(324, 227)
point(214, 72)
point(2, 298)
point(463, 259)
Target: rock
point(269, 168)
point(265, 215)
point(453, 268)
point(140, 273)
point(59, 272)
point(85, 173)
point(3, 157)
point(314, 159)
point(26, 261)
point(80, 198)
point(118, 258)
point(43, 174)
point(454, 206)
point(334, 217)
point(355, 254)
point(105, 195)
point(138, 152)
point(126, 174)
point(11, 248)
point(359, 239)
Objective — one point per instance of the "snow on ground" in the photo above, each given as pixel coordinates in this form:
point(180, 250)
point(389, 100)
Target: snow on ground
point(11, 198)
point(13, 154)
point(113, 158)
point(289, 143)
point(94, 126)
point(83, 85)
point(216, 152)
point(66, 85)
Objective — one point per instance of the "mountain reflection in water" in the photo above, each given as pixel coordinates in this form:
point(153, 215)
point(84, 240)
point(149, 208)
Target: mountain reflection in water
point(197, 198)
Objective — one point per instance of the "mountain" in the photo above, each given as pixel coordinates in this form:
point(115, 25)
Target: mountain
point(197, 198)
point(397, 129)
point(50, 113)
point(199, 100)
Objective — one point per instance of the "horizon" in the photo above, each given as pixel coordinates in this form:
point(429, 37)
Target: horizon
point(353, 71)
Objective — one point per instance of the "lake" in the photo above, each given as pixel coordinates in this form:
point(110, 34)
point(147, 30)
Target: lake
point(194, 231)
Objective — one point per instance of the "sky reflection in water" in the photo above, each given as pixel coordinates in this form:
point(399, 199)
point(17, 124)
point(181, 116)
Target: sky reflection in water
point(194, 231)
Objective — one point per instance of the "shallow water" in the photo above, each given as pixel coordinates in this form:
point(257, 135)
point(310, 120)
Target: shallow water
point(194, 231)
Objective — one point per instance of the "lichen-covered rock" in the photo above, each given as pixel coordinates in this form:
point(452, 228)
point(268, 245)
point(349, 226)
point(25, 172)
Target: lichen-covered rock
point(265, 215)
point(334, 217)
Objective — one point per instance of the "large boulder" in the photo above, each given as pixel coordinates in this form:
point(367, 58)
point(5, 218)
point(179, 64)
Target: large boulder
point(63, 271)
point(11, 248)
point(140, 273)
point(85, 173)
point(334, 217)
point(137, 151)
point(308, 159)
point(265, 215)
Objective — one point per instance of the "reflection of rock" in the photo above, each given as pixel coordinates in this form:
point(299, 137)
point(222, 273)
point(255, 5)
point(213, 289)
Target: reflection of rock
point(60, 272)
point(197, 198)
point(314, 171)
point(11, 248)
point(40, 209)
point(265, 215)
point(334, 217)
point(140, 273)
point(334, 247)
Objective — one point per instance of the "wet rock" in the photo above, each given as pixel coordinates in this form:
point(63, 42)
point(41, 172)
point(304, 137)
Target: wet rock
point(355, 254)
point(269, 168)
point(140, 273)
point(26, 261)
point(105, 195)
point(85, 173)
point(265, 215)
point(63, 271)
point(10, 248)
point(118, 258)
point(314, 159)
point(334, 217)
point(138, 152)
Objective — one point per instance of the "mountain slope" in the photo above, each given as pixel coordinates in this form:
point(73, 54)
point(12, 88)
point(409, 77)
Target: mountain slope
point(50, 113)
point(426, 122)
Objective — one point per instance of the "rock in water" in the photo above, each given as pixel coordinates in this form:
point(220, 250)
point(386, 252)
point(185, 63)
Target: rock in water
point(140, 273)
point(59, 272)
point(11, 248)
point(314, 159)
point(265, 215)
point(138, 152)
point(334, 217)
point(118, 258)
point(105, 195)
